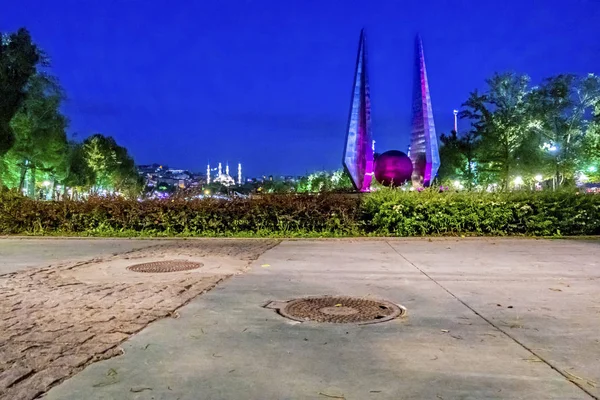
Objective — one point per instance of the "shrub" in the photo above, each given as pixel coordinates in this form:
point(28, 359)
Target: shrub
point(382, 213)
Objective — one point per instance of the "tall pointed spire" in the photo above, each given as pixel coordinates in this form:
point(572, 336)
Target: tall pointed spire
point(358, 153)
point(424, 151)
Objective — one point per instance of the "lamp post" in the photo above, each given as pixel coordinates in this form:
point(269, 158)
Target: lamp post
point(456, 121)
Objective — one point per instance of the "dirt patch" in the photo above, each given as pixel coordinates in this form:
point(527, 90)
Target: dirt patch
point(56, 320)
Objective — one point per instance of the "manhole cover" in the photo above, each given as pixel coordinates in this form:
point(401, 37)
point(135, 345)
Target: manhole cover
point(165, 266)
point(338, 309)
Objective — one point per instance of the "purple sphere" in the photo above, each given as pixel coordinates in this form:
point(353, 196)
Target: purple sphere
point(393, 168)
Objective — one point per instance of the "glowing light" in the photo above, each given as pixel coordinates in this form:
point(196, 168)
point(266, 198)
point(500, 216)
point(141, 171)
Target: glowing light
point(539, 178)
point(46, 183)
point(518, 181)
point(208, 174)
point(592, 169)
point(551, 147)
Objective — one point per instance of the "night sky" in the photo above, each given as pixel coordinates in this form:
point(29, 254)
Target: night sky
point(268, 82)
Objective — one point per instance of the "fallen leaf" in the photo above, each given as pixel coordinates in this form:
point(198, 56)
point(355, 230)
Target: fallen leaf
point(146, 346)
point(434, 358)
point(139, 389)
point(456, 337)
point(338, 305)
point(215, 355)
point(533, 359)
point(111, 372)
point(445, 331)
point(509, 307)
point(102, 384)
point(266, 265)
point(575, 377)
point(332, 396)
point(555, 289)
point(379, 391)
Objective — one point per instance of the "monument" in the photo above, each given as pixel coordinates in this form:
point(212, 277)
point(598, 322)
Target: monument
point(392, 168)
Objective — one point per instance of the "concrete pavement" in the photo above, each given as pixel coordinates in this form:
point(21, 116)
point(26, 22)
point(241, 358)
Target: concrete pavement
point(487, 319)
point(20, 253)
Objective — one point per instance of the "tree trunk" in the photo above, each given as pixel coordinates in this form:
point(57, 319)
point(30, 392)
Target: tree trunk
point(31, 185)
point(24, 167)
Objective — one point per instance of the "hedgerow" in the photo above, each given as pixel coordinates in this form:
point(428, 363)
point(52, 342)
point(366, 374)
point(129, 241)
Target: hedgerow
point(382, 213)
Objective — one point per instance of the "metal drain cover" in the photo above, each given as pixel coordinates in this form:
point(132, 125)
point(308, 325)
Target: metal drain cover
point(165, 266)
point(338, 309)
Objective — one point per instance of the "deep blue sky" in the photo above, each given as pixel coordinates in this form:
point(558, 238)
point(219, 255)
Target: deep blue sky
point(268, 82)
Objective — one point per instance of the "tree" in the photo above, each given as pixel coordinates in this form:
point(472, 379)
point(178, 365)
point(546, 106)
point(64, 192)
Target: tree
point(500, 121)
point(18, 60)
point(112, 167)
point(561, 106)
point(40, 143)
point(590, 154)
point(458, 158)
point(80, 177)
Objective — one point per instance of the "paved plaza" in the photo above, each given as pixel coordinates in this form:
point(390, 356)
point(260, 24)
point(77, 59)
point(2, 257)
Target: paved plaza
point(486, 318)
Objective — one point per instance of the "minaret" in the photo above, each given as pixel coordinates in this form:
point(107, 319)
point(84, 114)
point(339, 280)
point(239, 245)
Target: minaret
point(208, 174)
point(220, 169)
point(227, 169)
point(239, 173)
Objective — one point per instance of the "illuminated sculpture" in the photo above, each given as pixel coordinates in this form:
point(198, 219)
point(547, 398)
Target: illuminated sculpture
point(392, 168)
point(358, 154)
point(424, 151)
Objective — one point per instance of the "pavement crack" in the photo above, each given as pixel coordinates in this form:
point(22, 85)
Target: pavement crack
point(564, 374)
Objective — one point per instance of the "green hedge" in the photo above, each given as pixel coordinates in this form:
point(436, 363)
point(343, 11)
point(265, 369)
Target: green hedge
point(383, 213)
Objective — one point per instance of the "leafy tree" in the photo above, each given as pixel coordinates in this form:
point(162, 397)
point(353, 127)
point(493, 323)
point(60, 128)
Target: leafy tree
point(40, 139)
point(325, 182)
point(590, 154)
point(500, 120)
point(561, 106)
point(112, 167)
point(80, 177)
point(18, 60)
point(458, 158)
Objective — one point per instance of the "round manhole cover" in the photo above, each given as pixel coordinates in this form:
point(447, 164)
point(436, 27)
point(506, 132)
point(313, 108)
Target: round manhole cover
point(339, 309)
point(165, 266)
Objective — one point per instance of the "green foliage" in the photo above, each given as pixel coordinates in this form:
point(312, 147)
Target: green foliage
point(18, 60)
point(337, 181)
point(383, 213)
point(519, 131)
point(39, 127)
point(111, 167)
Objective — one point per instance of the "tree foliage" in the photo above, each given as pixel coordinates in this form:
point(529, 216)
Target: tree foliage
point(112, 168)
point(19, 57)
point(520, 134)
